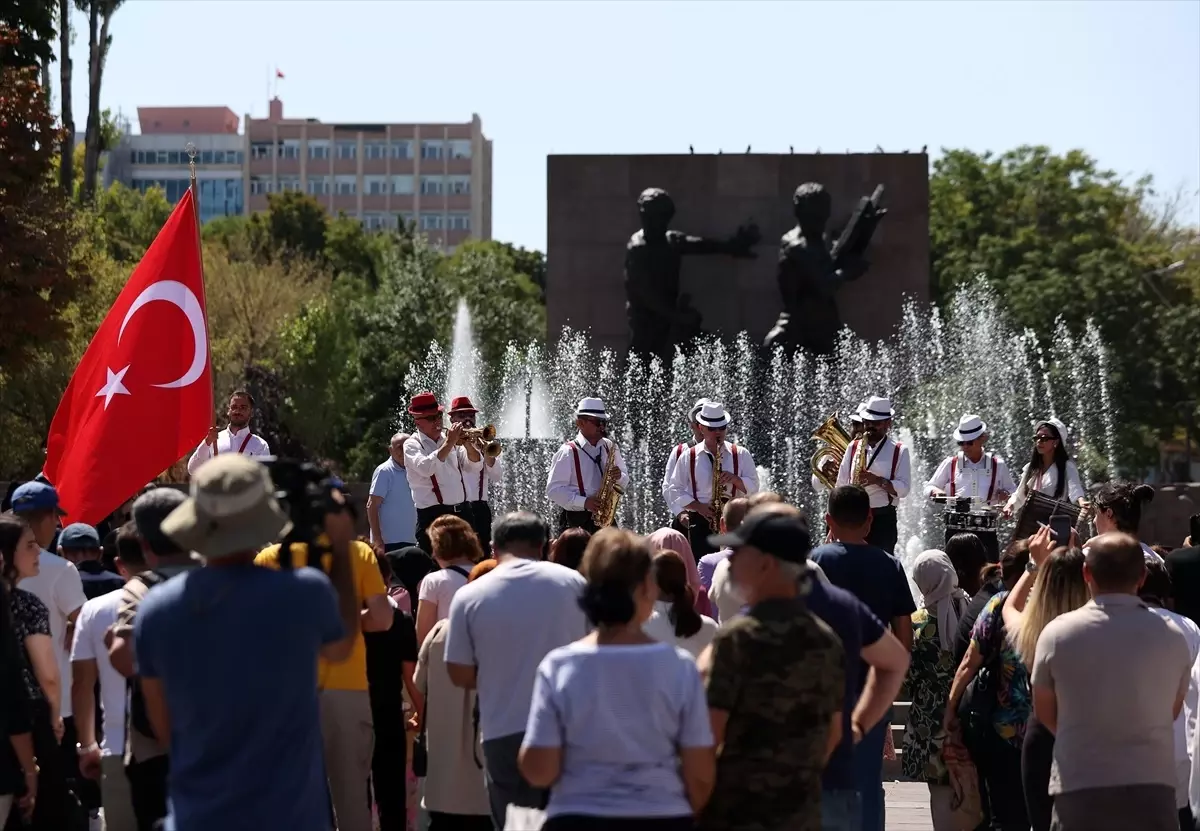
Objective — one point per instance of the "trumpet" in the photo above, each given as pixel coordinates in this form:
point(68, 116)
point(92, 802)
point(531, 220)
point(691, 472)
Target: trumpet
point(485, 438)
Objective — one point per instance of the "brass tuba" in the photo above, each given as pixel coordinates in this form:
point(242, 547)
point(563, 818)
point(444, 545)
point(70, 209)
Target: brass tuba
point(609, 495)
point(836, 440)
point(485, 439)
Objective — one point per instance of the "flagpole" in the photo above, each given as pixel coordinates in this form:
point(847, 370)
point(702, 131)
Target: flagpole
point(195, 189)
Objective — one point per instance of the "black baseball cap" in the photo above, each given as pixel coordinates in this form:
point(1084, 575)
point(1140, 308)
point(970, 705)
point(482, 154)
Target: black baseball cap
point(779, 535)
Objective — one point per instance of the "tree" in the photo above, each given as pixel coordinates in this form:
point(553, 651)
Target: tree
point(66, 170)
point(506, 305)
point(31, 23)
point(130, 220)
point(38, 231)
point(1061, 238)
point(100, 14)
point(297, 224)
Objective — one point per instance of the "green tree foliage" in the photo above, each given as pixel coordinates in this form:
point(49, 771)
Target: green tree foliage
point(130, 220)
point(31, 24)
point(1061, 238)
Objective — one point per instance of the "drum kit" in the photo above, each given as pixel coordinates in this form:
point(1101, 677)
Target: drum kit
point(972, 516)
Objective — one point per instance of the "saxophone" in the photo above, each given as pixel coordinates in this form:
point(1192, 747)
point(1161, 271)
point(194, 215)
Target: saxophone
point(718, 499)
point(610, 491)
point(860, 461)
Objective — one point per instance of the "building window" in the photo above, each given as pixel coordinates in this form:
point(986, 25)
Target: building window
point(260, 150)
point(260, 185)
point(433, 149)
point(376, 222)
point(347, 149)
point(460, 148)
point(458, 184)
point(431, 222)
point(318, 149)
point(401, 149)
point(458, 221)
point(318, 185)
point(402, 185)
point(432, 185)
point(375, 185)
point(288, 183)
point(375, 149)
point(345, 185)
point(289, 149)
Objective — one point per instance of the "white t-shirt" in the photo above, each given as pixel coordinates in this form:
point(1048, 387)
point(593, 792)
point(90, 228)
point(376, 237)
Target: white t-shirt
point(57, 584)
point(1185, 724)
point(504, 625)
point(439, 587)
point(97, 615)
point(721, 594)
point(659, 627)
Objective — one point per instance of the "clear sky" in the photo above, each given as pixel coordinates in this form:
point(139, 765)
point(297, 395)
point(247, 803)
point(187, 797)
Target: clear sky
point(1119, 79)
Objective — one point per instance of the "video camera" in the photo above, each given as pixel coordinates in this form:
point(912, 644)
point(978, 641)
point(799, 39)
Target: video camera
point(306, 492)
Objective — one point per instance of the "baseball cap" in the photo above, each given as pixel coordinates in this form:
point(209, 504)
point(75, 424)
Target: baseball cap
point(232, 508)
point(782, 536)
point(35, 496)
point(79, 535)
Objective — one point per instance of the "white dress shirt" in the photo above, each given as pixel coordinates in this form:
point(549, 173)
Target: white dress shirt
point(1048, 483)
point(229, 441)
point(972, 479)
point(672, 460)
point(683, 490)
point(479, 485)
point(562, 485)
point(424, 468)
point(881, 458)
point(1185, 723)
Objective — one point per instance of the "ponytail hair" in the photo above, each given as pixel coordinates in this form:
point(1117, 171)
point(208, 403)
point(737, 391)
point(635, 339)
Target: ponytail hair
point(671, 575)
point(1125, 500)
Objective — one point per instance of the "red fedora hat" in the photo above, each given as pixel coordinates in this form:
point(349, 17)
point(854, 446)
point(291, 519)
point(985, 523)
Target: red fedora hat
point(424, 404)
point(462, 404)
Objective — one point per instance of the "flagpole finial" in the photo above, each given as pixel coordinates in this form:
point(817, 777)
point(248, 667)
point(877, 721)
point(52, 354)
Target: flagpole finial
point(192, 153)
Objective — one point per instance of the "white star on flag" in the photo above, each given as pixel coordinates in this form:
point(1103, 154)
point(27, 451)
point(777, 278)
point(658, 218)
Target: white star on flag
point(113, 385)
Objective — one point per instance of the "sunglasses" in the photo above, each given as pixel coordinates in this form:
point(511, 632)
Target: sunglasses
point(1042, 439)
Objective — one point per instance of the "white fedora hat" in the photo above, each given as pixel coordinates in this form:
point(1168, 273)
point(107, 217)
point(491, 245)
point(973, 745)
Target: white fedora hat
point(857, 416)
point(877, 409)
point(970, 427)
point(712, 415)
point(592, 408)
point(695, 411)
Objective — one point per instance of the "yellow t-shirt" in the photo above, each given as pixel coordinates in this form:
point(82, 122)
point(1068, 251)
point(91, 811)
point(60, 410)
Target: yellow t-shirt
point(351, 674)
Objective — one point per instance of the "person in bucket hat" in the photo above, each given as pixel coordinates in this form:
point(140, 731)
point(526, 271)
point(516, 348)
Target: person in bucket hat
point(205, 637)
point(1050, 469)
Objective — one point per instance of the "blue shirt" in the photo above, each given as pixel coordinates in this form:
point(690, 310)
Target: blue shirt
point(871, 574)
point(708, 566)
point(620, 715)
point(853, 623)
point(236, 651)
point(397, 516)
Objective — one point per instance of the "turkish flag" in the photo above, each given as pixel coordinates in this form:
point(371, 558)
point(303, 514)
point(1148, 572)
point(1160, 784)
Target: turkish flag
point(278, 74)
point(141, 397)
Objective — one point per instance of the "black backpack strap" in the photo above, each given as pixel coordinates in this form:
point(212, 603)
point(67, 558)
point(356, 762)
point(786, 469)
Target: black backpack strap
point(460, 570)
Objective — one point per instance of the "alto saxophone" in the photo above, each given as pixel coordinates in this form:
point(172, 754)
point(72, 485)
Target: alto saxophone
point(610, 491)
point(859, 466)
point(718, 499)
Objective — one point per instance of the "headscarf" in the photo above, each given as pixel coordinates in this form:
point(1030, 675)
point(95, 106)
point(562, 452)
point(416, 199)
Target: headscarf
point(672, 540)
point(937, 581)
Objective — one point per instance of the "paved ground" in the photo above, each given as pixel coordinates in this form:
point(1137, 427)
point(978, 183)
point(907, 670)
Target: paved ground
point(907, 806)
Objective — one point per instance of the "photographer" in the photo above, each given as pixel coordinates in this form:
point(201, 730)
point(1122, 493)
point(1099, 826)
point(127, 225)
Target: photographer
point(227, 656)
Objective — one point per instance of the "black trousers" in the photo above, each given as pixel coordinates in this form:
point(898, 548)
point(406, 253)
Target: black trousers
point(148, 790)
point(1000, 768)
point(698, 532)
point(387, 776)
point(884, 531)
point(990, 544)
point(426, 516)
point(56, 807)
point(439, 821)
point(1037, 756)
point(481, 521)
point(576, 519)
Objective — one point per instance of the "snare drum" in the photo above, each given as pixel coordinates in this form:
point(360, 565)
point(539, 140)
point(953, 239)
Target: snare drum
point(978, 521)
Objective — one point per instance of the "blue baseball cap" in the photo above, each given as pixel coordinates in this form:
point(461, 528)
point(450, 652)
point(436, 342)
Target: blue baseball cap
point(79, 535)
point(35, 496)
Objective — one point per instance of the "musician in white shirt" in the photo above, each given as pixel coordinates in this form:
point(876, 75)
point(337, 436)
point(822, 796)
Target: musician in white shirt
point(1051, 470)
point(236, 438)
point(577, 469)
point(973, 474)
point(691, 490)
point(677, 452)
point(438, 466)
point(462, 411)
point(887, 474)
point(830, 467)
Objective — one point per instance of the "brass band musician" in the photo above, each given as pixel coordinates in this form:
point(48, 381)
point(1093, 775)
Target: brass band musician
point(829, 467)
point(677, 453)
point(881, 465)
point(463, 412)
point(693, 490)
point(438, 465)
point(577, 469)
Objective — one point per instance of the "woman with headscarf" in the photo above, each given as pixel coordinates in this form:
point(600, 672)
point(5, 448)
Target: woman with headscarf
point(935, 625)
point(668, 539)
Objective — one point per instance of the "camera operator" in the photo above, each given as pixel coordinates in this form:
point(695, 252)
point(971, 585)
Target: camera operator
point(227, 656)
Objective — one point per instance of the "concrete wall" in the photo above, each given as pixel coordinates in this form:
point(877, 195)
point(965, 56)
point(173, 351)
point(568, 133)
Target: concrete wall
point(592, 211)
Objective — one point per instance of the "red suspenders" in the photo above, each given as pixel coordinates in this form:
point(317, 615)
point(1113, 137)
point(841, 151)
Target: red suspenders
point(241, 449)
point(692, 462)
point(578, 471)
point(954, 467)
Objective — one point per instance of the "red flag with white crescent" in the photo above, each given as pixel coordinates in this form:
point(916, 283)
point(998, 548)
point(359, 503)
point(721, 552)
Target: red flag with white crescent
point(141, 397)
